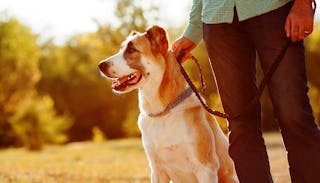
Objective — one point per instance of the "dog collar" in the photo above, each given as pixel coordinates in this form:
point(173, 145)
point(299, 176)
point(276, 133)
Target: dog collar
point(180, 98)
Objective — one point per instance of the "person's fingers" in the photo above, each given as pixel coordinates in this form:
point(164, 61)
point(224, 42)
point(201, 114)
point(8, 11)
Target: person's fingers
point(176, 47)
point(294, 33)
point(299, 23)
point(177, 51)
point(185, 57)
point(307, 32)
point(301, 34)
point(182, 48)
point(288, 27)
point(298, 33)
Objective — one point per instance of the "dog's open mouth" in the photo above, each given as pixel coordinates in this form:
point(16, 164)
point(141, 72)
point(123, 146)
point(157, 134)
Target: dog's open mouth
point(122, 83)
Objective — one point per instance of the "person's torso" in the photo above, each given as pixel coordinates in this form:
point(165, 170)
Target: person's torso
point(222, 11)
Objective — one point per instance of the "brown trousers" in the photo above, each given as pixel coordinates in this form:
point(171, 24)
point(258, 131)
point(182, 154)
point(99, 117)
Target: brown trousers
point(232, 51)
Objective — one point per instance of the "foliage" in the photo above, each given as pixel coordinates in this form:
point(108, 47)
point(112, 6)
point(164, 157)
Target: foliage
point(134, 17)
point(19, 59)
point(314, 95)
point(130, 124)
point(71, 77)
point(312, 44)
point(36, 123)
point(18, 73)
point(79, 90)
point(98, 136)
point(23, 115)
point(216, 104)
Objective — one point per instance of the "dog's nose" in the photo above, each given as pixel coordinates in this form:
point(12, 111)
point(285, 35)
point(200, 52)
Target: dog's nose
point(103, 66)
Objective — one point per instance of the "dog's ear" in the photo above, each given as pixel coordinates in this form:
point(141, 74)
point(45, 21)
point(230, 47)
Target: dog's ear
point(133, 33)
point(158, 40)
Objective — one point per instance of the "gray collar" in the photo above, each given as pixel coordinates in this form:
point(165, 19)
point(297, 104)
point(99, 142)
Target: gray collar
point(180, 98)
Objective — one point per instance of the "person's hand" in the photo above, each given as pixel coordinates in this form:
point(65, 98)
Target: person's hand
point(299, 23)
point(182, 48)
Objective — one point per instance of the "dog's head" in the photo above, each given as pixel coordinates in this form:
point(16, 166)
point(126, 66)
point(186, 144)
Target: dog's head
point(140, 60)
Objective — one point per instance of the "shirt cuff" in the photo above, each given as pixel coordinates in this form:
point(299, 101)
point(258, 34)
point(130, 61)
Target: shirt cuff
point(194, 33)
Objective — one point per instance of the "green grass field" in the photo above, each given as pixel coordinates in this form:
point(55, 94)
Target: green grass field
point(116, 161)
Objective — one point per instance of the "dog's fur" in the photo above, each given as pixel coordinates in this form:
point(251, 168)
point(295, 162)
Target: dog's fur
point(186, 145)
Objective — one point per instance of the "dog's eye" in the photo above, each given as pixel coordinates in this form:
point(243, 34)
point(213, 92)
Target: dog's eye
point(131, 49)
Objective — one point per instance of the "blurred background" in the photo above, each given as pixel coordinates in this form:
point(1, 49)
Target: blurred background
point(51, 91)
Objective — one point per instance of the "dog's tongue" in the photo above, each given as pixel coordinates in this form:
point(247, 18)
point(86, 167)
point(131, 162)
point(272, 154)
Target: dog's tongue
point(126, 80)
point(118, 82)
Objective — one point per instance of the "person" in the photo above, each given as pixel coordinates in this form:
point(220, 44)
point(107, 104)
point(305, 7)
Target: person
point(234, 32)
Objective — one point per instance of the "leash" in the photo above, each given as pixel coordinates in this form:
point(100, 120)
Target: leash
point(252, 103)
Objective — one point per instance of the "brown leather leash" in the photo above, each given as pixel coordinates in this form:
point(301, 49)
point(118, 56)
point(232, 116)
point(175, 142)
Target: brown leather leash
point(255, 99)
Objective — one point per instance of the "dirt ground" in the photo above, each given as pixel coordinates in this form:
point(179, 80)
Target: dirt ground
point(278, 158)
point(113, 161)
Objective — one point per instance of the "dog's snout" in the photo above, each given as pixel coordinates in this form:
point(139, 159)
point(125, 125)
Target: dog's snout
point(103, 66)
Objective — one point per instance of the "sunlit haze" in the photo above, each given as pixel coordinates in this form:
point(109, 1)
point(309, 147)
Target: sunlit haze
point(62, 18)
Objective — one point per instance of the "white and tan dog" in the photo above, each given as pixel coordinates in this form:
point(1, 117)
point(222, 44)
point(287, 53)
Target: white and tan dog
point(182, 141)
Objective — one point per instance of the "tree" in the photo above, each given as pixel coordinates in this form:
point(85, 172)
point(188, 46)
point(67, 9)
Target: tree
point(36, 123)
point(19, 60)
point(313, 67)
point(132, 16)
point(21, 108)
point(312, 45)
point(72, 79)
point(19, 56)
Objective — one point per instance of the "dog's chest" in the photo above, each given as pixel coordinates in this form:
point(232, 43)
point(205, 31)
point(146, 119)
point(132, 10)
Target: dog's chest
point(164, 131)
point(166, 139)
point(172, 144)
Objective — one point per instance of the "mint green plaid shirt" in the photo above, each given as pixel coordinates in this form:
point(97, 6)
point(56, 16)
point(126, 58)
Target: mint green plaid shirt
point(221, 11)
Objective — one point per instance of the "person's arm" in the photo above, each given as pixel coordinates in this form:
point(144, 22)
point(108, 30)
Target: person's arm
point(192, 34)
point(299, 23)
point(194, 28)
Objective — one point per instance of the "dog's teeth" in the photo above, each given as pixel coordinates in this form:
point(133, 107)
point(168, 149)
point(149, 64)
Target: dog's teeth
point(130, 76)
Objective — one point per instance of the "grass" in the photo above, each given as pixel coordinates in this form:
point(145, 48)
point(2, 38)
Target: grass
point(116, 161)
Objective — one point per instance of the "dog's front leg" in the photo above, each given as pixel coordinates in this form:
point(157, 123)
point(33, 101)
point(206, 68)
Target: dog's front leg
point(208, 172)
point(158, 176)
point(207, 176)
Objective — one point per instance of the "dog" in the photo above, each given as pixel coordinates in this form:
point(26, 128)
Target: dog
point(183, 143)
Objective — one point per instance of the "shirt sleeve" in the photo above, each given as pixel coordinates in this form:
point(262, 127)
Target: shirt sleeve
point(194, 28)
